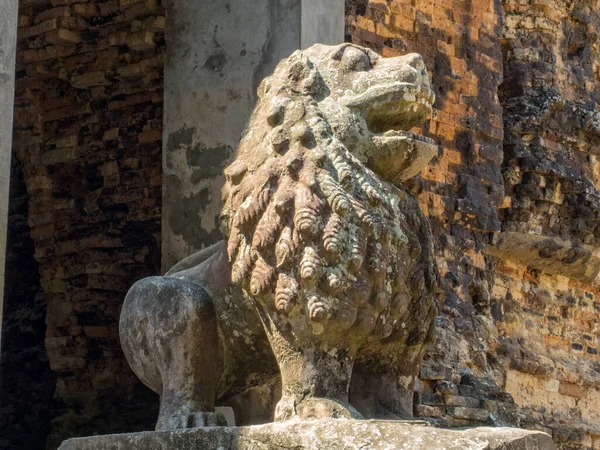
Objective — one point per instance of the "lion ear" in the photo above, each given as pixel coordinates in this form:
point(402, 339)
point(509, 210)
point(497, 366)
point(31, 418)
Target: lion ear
point(302, 76)
point(299, 69)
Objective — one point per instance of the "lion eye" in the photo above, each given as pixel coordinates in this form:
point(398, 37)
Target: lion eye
point(355, 60)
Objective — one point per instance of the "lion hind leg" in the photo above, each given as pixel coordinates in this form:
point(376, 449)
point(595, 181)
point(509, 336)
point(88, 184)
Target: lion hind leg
point(385, 389)
point(169, 336)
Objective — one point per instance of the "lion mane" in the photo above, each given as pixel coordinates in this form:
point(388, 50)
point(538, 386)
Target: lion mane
point(313, 231)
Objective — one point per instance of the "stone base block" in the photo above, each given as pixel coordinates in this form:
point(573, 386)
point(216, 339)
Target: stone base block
point(335, 434)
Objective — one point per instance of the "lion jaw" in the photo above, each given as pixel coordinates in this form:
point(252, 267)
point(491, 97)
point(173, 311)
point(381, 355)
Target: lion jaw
point(377, 102)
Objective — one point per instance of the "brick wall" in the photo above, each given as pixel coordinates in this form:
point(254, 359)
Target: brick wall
point(88, 125)
point(518, 337)
point(550, 318)
point(460, 190)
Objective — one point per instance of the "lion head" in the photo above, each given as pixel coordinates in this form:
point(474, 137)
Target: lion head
point(317, 231)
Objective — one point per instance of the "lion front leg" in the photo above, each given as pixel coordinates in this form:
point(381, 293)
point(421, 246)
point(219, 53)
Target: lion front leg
point(168, 330)
point(315, 386)
point(315, 376)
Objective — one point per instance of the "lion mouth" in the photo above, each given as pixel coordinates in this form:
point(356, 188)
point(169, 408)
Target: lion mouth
point(392, 109)
point(402, 135)
point(396, 107)
point(389, 111)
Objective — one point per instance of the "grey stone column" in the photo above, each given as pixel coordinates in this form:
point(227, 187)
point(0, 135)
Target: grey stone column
point(322, 22)
point(217, 54)
point(8, 44)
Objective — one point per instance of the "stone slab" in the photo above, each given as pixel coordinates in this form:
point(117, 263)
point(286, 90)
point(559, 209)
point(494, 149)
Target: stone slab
point(8, 45)
point(322, 435)
point(549, 254)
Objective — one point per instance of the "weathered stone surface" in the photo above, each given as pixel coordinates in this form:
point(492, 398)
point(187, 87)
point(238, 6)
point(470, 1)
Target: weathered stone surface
point(336, 260)
point(321, 22)
point(221, 51)
point(528, 328)
point(323, 435)
point(549, 254)
point(546, 303)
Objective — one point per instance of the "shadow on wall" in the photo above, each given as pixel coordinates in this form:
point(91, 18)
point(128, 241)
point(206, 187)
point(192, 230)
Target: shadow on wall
point(28, 407)
point(26, 382)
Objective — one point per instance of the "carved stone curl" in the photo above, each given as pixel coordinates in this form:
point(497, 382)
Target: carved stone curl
point(326, 255)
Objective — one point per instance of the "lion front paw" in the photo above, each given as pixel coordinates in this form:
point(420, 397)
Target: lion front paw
point(190, 420)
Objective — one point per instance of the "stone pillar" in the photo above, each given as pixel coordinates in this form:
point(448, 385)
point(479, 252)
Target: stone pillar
point(322, 22)
point(8, 43)
point(217, 54)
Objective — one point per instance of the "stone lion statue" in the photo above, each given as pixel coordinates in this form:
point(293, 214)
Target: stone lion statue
point(327, 276)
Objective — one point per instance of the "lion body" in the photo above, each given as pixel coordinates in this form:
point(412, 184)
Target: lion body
point(325, 262)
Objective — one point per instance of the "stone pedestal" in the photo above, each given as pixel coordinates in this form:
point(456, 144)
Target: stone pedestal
point(322, 435)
